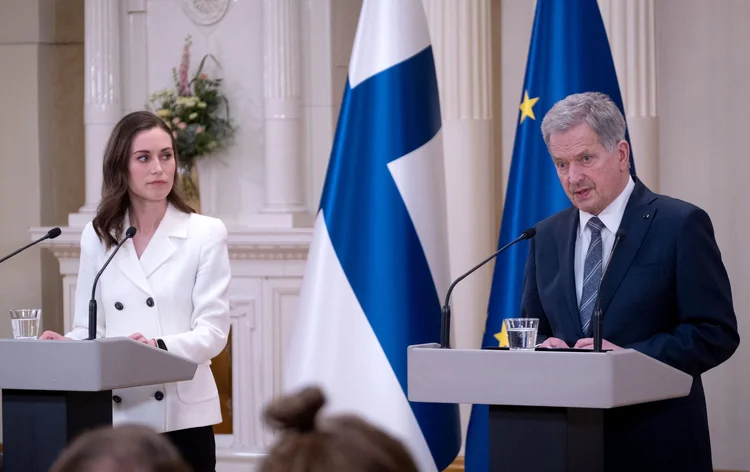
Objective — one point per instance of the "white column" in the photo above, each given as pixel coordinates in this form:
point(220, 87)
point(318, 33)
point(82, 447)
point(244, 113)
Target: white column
point(460, 33)
point(135, 63)
point(461, 37)
point(320, 81)
point(102, 106)
point(630, 27)
point(284, 190)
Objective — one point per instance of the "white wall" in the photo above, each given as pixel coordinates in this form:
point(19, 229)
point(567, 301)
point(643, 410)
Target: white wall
point(703, 64)
point(236, 180)
point(20, 182)
point(41, 132)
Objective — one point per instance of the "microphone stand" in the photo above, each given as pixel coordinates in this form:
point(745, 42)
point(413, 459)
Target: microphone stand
point(51, 234)
point(92, 303)
point(445, 329)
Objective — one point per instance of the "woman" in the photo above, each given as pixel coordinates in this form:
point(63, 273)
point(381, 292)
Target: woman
point(341, 443)
point(166, 287)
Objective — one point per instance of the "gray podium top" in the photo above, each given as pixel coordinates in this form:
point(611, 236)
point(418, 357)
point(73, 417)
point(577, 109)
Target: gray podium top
point(87, 366)
point(540, 378)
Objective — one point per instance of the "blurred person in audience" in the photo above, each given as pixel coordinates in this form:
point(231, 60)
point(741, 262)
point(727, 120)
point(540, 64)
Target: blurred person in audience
point(341, 443)
point(127, 448)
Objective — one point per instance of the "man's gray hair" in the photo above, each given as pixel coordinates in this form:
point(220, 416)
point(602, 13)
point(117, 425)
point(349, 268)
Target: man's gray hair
point(593, 108)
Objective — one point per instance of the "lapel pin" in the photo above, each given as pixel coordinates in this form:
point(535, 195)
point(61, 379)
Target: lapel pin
point(646, 216)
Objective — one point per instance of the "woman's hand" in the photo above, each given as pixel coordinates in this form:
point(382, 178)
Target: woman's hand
point(141, 338)
point(52, 335)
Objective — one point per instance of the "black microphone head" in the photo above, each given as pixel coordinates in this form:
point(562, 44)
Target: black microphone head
point(529, 233)
point(130, 232)
point(620, 234)
point(53, 233)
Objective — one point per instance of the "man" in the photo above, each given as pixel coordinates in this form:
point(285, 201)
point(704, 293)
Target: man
point(666, 292)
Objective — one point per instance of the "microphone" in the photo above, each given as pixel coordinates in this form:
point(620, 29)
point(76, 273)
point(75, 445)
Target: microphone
point(92, 303)
point(598, 315)
point(445, 331)
point(51, 234)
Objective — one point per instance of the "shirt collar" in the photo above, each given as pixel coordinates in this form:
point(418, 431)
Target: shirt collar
point(612, 215)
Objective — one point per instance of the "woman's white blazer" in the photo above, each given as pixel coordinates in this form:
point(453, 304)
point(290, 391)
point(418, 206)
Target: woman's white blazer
point(176, 292)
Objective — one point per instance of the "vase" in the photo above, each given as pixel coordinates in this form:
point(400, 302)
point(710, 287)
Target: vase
point(190, 186)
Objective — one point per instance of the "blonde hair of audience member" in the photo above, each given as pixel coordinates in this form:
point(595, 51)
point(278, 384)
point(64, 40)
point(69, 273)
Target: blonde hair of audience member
point(343, 443)
point(127, 448)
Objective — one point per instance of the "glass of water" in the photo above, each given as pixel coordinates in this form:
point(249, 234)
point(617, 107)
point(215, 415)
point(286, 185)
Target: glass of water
point(25, 323)
point(521, 333)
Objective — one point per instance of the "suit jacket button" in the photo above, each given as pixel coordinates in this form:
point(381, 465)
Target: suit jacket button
point(159, 396)
point(118, 305)
point(150, 301)
point(116, 398)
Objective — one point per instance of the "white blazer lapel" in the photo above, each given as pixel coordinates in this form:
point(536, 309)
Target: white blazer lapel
point(161, 247)
point(127, 261)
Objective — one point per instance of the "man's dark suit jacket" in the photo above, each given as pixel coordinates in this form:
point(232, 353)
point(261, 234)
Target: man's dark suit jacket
point(666, 294)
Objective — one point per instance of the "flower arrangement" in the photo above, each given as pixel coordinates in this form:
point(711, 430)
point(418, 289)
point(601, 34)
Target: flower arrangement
point(193, 111)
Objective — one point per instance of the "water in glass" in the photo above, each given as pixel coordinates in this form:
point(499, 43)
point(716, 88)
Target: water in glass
point(521, 332)
point(25, 323)
point(522, 338)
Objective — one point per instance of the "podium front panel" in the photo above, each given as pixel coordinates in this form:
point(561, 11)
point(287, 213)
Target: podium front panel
point(571, 379)
point(87, 366)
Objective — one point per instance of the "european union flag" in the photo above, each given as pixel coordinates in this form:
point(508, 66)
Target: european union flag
point(569, 53)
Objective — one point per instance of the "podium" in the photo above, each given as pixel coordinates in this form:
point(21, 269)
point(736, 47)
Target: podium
point(546, 407)
point(55, 390)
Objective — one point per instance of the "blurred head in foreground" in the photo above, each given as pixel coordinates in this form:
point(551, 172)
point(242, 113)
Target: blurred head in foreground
point(343, 443)
point(124, 448)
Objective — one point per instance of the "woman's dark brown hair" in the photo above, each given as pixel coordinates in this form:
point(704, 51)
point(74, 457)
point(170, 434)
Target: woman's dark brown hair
point(343, 443)
point(127, 448)
point(109, 220)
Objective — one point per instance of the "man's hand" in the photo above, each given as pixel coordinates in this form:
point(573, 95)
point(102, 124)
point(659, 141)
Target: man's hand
point(553, 342)
point(588, 343)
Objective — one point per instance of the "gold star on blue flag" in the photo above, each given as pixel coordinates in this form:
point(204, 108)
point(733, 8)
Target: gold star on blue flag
point(527, 106)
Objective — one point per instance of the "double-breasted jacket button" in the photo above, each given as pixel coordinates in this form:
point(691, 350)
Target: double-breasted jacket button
point(150, 301)
point(159, 396)
point(116, 398)
point(118, 305)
